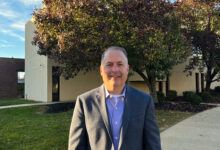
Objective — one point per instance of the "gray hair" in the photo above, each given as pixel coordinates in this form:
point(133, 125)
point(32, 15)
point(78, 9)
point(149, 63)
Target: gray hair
point(116, 48)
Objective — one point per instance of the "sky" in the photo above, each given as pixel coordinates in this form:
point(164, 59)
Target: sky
point(13, 16)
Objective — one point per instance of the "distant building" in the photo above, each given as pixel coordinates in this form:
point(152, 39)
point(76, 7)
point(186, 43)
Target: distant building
point(9, 68)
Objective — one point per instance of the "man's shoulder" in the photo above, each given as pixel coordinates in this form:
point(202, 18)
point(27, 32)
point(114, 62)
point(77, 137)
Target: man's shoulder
point(138, 92)
point(90, 93)
point(138, 99)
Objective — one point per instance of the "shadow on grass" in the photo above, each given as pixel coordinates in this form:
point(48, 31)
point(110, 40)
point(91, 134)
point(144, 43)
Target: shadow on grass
point(56, 108)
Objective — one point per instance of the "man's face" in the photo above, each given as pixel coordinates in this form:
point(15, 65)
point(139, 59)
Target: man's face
point(114, 70)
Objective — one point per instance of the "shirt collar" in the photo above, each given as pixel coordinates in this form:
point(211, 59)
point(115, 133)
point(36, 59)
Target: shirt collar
point(107, 94)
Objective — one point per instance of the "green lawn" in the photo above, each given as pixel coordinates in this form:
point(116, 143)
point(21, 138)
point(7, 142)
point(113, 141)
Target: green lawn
point(166, 119)
point(6, 102)
point(25, 128)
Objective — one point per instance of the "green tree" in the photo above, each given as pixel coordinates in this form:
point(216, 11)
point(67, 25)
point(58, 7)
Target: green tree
point(202, 26)
point(75, 33)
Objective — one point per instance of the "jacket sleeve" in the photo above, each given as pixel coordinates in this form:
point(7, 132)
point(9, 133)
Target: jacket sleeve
point(78, 133)
point(151, 138)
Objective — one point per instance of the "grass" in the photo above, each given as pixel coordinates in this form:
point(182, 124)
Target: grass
point(25, 128)
point(6, 102)
point(166, 119)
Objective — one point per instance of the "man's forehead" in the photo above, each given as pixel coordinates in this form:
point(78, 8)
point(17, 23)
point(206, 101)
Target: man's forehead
point(115, 53)
point(112, 61)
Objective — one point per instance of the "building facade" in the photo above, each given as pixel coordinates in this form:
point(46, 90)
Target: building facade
point(41, 84)
point(9, 68)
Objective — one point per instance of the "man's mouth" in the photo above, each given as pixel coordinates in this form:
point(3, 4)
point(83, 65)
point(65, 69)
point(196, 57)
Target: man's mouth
point(115, 76)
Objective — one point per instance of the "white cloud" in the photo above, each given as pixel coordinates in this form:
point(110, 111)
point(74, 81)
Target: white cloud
point(11, 33)
point(3, 41)
point(18, 25)
point(4, 4)
point(30, 2)
point(6, 11)
point(5, 45)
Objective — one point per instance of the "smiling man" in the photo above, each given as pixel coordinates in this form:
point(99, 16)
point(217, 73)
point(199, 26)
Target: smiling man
point(114, 70)
point(114, 116)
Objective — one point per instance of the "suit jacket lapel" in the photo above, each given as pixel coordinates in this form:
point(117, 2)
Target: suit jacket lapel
point(103, 109)
point(126, 114)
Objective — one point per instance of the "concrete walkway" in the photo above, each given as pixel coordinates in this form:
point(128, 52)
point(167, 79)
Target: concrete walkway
point(199, 132)
point(34, 104)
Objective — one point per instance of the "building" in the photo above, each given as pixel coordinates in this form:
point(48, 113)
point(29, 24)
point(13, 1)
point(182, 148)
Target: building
point(41, 84)
point(9, 68)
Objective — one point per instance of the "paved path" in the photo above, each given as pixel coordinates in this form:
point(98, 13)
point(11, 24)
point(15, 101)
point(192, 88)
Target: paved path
point(199, 132)
point(34, 104)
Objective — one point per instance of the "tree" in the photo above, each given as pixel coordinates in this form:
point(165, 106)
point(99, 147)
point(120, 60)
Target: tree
point(75, 33)
point(202, 25)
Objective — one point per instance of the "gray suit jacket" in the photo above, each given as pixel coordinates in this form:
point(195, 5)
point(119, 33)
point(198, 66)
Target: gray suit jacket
point(90, 127)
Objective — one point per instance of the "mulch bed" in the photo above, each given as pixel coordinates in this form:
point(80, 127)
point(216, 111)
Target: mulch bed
point(182, 106)
point(178, 104)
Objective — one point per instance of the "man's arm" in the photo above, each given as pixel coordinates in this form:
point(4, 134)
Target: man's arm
point(151, 131)
point(78, 134)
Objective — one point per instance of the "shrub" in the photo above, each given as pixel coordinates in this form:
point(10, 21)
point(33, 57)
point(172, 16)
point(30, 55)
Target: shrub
point(206, 96)
point(191, 97)
point(212, 91)
point(160, 96)
point(217, 89)
point(171, 94)
point(187, 94)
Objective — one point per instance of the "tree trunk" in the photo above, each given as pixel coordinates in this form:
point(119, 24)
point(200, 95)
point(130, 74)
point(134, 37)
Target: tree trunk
point(208, 85)
point(208, 79)
point(151, 84)
point(153, 91)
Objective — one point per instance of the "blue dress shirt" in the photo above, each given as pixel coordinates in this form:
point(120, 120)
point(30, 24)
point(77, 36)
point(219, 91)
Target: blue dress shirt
point(115, 105)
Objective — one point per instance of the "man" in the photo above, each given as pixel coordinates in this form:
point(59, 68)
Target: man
point(114, 116)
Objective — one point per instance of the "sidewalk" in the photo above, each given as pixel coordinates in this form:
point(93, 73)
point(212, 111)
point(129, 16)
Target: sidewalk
point(199, 132)
point(34, 104)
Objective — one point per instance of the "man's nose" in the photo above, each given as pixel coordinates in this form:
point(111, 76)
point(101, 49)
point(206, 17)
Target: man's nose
point(115, 68)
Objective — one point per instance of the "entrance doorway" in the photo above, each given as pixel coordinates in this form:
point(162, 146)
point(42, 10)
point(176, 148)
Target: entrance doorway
point(55, 84)
point(20, 84)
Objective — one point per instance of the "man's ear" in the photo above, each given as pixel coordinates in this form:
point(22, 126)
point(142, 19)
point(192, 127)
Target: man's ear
point(128, 68)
